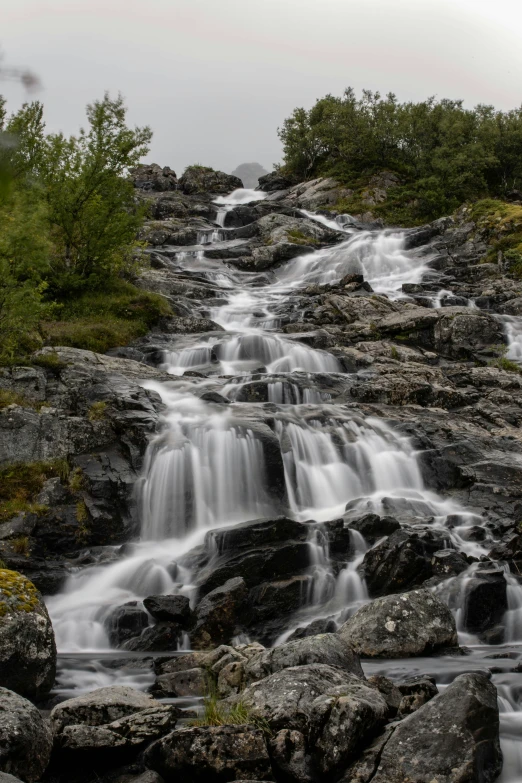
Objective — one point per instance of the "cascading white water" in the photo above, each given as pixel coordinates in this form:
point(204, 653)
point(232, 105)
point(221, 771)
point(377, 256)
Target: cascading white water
point(379, 256)
point(206, 469)
point(513, 329)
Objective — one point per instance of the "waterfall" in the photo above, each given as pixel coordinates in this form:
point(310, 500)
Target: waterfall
point(208, 466)
point(380, 256)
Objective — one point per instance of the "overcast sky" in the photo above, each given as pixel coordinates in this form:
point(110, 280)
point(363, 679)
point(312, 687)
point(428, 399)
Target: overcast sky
point(215, 78)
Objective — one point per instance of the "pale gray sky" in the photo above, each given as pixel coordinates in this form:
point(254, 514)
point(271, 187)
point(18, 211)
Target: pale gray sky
point(215, 78)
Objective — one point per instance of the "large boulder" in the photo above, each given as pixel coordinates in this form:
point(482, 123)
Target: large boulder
point(485, 601)
point(99, 707)
point(201, 179)
point(211, 754)
point(328, 649)
point(126, 622)
point(217, 614)
point(170, 608)
point(27, 645)
point(25, 738)
point(334, 711)
point(113, 743)
point(454, 738)
point(402, 560)
point(154, 177)
point(400, 626)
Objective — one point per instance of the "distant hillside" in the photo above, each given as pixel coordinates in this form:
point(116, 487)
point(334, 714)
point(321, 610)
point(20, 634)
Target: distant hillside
point(249, 173)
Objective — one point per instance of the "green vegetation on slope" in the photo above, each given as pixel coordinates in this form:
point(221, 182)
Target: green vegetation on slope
point(68, 225)
point(441, 154)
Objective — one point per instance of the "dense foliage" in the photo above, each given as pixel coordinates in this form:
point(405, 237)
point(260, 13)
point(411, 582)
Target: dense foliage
point(68, 223)
point(442, 153)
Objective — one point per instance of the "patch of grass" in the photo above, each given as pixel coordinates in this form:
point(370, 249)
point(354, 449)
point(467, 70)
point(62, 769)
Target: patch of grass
point(298, 238)
point(12, 398)
point(82, 515)
point(99, 320)
point(216, 713)
point(97, 411)
point(49, 361)
point(76, 480)
point(20, 484)
point(20, 545)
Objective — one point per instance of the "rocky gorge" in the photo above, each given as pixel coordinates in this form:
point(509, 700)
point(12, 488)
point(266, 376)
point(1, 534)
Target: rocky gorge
point(278, 537)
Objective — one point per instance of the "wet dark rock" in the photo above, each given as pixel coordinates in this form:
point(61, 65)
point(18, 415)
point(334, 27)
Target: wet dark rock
point(126, 622)
point(263, 564)
point(188, 325)
point(372, 527)
point(213, 396)
point(259, 532)
point(416, 692)
point(313, 629)
point(402, 560)
point(454, 738)
point(328, 649)
point(400, 626)
point(169, 608)
point(448, 562)
point(486, 600)
point(271, 604)
point(162, 637)
point(25, 738)
point(211, 754)
point(217, 614)
point(273, 182)
point(27, 645)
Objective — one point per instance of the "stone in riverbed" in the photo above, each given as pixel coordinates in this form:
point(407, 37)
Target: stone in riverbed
point(99, 707)
point(401, 626)
point(27, 645)
point(25, 738)
point(402, 560)
point(172, 608)
point(192, 682)
point(454, 738)
point(486, 600)
point(211, 754)
point(126, 622)
point(217, 614)
point(334, 710)
point(114, 743)
point(328, 649)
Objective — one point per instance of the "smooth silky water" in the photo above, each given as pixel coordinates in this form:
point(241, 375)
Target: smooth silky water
point(206, 470)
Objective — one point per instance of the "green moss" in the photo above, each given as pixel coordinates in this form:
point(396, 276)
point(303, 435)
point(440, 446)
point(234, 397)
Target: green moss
point(82, 514)
point(77, 480)
point(395, 353)
point(100, 320)
point(17, 594)
point(97, 411)
point(21, 482)
point(298, 238)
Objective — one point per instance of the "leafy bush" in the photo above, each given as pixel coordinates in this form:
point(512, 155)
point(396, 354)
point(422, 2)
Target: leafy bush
point(441, 153)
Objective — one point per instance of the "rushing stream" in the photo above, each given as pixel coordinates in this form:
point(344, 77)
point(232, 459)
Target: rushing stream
point(207, 469)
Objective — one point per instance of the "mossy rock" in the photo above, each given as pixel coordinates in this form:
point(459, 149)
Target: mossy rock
point(27, 645)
